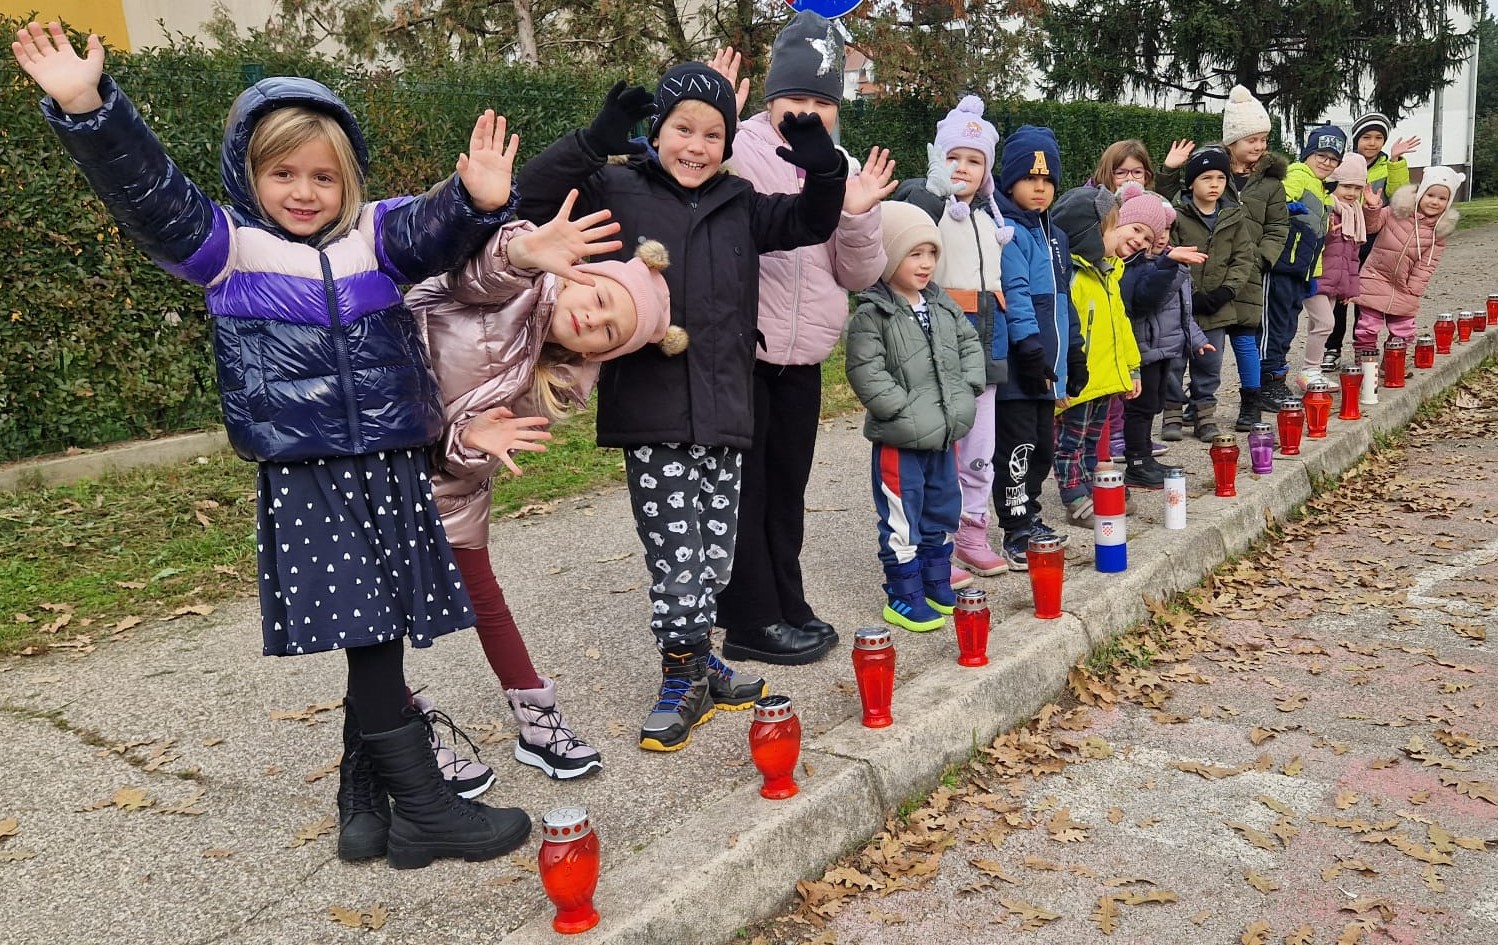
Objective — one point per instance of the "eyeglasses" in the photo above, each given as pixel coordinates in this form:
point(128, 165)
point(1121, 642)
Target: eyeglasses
point(1326, 157)
point(1129, 173)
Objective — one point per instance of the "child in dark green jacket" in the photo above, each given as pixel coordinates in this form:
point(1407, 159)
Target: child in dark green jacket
point(915, 362)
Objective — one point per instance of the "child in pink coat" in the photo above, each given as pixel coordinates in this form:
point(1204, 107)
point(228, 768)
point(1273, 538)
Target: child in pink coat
point(1354, 216)
point(1405, 254)
point(803, 309)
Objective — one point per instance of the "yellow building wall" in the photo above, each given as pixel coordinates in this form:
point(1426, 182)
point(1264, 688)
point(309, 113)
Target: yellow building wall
point(105, 17)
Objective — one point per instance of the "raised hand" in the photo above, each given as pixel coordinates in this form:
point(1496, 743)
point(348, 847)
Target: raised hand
point(1402, 147)
point(54, 65)
point(1180, 151)
point(811, 147)
point(727, 63)
point(558, 244)
point(623, 108)
point(487, 168)
point(875, 181)
point(939, 173)
point(499, 432)
point(1371, 198)
point(1188, 255)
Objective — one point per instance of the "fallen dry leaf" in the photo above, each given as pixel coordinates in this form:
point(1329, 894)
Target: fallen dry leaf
point(307, 833)
point(1253, 835)
point(1031, 916)
point(1105, 914)
point(1262, 883)
point(9, 827)
point(1301, 936)
point(1257, 933)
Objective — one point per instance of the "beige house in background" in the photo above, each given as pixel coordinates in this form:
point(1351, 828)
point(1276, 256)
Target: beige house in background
point(133, 24)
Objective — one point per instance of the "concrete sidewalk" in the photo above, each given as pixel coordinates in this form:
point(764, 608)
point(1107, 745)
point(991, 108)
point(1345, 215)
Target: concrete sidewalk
point(225, 756)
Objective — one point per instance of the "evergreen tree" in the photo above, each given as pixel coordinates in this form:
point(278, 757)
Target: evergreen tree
point(1298, 56)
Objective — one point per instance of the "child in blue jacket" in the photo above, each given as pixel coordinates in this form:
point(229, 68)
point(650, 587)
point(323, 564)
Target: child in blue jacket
point(1042, 338)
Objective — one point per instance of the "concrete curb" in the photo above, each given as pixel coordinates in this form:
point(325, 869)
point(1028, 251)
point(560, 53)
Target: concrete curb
point(94, 464)
point(734, 862)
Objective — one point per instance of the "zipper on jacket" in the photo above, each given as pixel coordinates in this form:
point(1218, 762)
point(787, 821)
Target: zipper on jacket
point(340, 350)
point(795, 309)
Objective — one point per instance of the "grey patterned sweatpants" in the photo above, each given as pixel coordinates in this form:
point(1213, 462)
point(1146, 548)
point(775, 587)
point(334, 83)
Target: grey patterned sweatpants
point(686, 504)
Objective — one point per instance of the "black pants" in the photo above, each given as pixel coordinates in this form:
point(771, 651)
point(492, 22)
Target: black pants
point(1023, 450)
point(766, 585)
point(1139, 413)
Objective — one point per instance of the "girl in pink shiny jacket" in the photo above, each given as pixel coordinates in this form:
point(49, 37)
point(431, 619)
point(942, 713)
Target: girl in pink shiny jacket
point(516, 338)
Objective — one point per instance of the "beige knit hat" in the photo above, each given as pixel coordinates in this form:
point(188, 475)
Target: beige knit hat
point(904, 227)
point(1242, 116)
point(642, 279)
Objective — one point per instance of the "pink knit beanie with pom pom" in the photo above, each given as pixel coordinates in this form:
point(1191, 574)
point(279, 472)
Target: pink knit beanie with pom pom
point(1137, 205)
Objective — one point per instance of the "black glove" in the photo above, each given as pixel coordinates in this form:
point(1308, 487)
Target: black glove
point(1031, 372)
point(1076, 370)
point(1205, 303)
point(811, 147)
point(622, 110)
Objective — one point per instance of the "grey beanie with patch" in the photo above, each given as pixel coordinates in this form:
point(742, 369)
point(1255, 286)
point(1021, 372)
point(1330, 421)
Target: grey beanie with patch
point(807, 59)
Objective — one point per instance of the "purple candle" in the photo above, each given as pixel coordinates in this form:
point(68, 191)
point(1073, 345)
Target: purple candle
point(1261, 448)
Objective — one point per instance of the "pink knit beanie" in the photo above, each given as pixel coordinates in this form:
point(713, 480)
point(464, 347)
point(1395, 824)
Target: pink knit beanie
point(1137, 205)
point(646, 286)
point(1352, 170)
point(964, 127)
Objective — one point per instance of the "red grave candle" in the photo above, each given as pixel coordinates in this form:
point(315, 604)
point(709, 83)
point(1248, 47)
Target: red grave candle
point(973, 621)
point(775, 746)
point(1291, 421)
point(874, 671)
point(569, 868)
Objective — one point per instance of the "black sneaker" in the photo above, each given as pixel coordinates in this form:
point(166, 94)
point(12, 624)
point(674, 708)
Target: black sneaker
point(1144, 473)
point(1015, 551)
point(683, 704)
point(1274, 391)
point(1039, 529)
point(730, 689)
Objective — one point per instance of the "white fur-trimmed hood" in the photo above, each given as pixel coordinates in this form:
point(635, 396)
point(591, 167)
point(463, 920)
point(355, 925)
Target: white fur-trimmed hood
point(1402, 205)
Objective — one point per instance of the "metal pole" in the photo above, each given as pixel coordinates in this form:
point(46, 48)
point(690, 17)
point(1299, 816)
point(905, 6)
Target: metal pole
point(1472, 113)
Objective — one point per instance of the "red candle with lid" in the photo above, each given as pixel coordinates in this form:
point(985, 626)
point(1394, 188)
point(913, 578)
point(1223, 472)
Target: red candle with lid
point(1479, 321)
point(1047, 562)
point(1463, 327)
point(775, 746)
point(1394, 351)
point(1318, 403)
point(1425, 351)
point(874, 671)
point(973, 621)
point(1291, 421)
point(1493, 311)
point(1352, 384)
point(1445, 330)
point(1224, 453)
point(568, 865)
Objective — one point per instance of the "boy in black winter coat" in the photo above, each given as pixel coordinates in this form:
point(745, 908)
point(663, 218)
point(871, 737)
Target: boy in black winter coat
point(684, 421)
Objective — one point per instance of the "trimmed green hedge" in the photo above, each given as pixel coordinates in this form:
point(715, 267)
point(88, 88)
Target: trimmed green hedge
point(98, 345)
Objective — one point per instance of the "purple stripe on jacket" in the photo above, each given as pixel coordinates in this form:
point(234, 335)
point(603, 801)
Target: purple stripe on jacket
point(300, 300)
point(209, 259)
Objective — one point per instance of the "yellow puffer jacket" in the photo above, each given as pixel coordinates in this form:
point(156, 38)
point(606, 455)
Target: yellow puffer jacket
point(1112, 354)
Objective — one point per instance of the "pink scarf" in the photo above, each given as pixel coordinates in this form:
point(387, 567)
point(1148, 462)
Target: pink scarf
point(1350, 215)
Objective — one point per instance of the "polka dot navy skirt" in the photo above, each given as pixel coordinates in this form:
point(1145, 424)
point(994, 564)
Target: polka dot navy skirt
point(351, 552)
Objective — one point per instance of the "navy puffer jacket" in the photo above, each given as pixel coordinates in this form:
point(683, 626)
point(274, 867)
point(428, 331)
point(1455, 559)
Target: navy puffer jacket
point(317, 354)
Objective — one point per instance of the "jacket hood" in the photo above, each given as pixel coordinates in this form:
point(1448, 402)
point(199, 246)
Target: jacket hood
point(1272, 165)
point(1079, 213)
point(1402, 205)
point(253, 104)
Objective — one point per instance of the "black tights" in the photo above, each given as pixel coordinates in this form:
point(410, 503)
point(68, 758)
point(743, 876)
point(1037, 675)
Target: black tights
point(377, 685)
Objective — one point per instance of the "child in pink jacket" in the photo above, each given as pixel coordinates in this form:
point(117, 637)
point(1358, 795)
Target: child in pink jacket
point(1353, 217)
point(803, 307)
point(516, 338)
point(1405, 255)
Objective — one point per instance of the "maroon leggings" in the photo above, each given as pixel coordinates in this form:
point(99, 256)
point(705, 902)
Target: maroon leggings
point(496, 625)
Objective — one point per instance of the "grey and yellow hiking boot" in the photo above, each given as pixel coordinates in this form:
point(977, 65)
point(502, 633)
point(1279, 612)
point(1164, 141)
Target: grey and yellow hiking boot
point(683, 704)
point(733, 689)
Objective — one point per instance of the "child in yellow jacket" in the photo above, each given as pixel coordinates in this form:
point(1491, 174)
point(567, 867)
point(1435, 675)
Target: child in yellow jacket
point(1112, 354)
